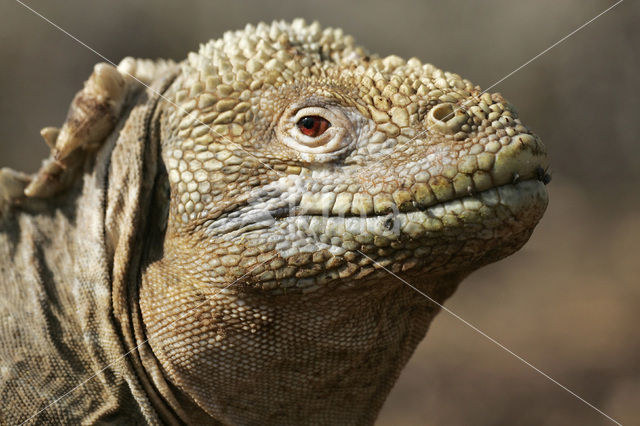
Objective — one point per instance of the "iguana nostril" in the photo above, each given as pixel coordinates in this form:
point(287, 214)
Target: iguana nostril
point(442, 112)
point(446, 118)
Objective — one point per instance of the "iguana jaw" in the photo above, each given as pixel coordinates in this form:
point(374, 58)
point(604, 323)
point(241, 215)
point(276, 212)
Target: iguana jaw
point(471, 231)
point(312, 253)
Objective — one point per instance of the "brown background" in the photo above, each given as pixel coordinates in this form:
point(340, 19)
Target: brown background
point(569, 302)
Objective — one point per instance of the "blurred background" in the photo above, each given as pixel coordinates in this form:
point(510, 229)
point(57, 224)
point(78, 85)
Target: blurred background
point(569, 302)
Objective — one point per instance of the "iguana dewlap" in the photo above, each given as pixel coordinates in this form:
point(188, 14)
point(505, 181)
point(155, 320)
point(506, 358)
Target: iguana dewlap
point(210, 249)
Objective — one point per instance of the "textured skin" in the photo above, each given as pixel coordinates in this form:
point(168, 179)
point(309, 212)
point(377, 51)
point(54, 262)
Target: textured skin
point(252, 257)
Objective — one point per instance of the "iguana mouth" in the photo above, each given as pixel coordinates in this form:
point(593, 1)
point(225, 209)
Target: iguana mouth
point(522, 171)
point(509, 200)
point(542, 176)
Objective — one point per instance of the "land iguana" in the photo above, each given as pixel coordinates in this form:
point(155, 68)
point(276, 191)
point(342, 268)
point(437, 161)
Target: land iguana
point(212, 241)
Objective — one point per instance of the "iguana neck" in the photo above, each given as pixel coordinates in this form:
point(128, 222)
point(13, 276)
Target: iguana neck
point(290, 359)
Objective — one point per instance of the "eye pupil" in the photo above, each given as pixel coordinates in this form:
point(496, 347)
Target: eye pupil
point(307, 122)
point(313, 125)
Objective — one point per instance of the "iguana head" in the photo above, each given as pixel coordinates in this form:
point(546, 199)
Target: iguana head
point(298, 168)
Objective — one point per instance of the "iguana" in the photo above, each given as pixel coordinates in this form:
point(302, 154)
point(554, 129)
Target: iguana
point(211, 241)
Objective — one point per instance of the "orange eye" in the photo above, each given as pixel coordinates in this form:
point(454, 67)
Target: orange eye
point(313, 125)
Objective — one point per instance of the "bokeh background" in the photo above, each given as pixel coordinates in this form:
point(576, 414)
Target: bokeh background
point(569, 302)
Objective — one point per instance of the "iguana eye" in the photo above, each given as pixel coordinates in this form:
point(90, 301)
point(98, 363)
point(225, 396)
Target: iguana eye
point(313, 125)
point(322, 129)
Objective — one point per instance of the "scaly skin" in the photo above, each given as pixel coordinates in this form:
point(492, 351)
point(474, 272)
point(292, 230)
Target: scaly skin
point(248, 275)
point(274, 241)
